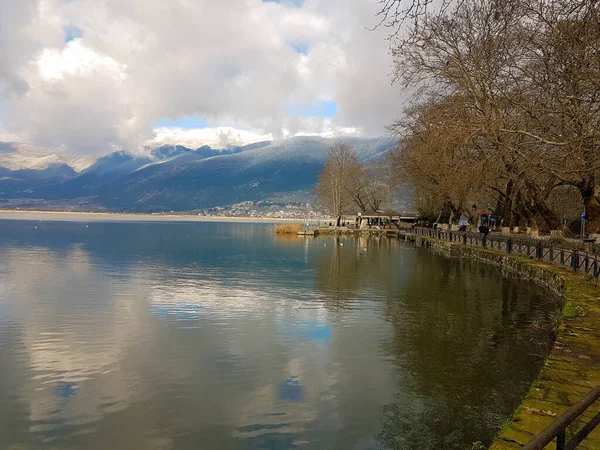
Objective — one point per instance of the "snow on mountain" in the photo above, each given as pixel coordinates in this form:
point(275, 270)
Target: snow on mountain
point(315, 148)
point(175, 177)
point(18, 156)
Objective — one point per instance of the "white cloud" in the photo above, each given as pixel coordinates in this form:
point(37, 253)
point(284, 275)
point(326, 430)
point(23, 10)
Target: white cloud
point(219, 137)
point(75, 58)
point(225, 137)
point(230, 62)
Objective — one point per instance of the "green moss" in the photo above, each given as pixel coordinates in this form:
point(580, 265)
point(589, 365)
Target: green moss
point(537, 385)
point(571, 309)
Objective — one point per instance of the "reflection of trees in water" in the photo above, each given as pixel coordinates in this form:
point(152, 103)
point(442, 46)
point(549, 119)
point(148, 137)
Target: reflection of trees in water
point(466, 353)
point(347, 267)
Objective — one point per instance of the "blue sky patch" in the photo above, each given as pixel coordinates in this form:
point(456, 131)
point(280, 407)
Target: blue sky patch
point(300, 47)
point(307, 330)
point(326, 108)
point(316, 332)
point(184, 122)
point(66, 389)
point(72, 32)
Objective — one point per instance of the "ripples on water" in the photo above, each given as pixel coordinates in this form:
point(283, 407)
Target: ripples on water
point(223, 336)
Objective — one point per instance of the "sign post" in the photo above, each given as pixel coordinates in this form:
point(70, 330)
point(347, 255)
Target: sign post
point(582, 219)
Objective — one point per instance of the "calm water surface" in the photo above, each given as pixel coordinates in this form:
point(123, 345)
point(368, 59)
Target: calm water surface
point(224, 336)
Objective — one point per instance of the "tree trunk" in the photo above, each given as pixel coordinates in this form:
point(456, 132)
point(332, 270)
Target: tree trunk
point(505, 209)
point(551, 219)
point(515, 221)
point(456, 213)
point(339, 220)
point(444, 216)
point(591, 204)
point(472, 217)
point(535, 231)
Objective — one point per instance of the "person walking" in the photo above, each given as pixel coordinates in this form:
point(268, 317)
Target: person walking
point(484, 229)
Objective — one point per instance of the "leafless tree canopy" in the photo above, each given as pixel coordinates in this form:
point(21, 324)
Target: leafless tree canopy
point(393, 14)
point(507, 108)
point(345, 184)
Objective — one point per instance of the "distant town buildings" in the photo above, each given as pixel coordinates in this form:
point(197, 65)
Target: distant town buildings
point(265, 209)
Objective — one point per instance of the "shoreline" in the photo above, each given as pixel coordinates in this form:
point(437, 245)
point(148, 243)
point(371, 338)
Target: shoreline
point(78, 216)
point(572, 368)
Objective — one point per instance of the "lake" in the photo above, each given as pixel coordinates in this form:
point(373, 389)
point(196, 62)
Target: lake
point(225, 336)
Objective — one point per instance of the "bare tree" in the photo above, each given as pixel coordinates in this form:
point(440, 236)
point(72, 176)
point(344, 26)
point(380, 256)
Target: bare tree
point(393, 14)
point(526, 73)
point(559, 67)
point(439, 157)
point(337, 179)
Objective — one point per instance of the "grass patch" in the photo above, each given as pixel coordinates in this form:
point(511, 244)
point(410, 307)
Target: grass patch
point(288, 228)
point(572, 310)
point(537, 385)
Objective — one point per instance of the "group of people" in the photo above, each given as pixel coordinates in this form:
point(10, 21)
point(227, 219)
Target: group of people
point(462, 227)
point(483, 228)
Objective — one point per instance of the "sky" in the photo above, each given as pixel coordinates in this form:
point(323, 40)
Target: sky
point(93, 76)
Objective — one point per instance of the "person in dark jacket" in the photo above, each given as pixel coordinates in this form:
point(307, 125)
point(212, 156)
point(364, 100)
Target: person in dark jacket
point(484, 229)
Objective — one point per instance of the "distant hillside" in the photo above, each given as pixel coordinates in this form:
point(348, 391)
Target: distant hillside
point(178, 178)
point(23, 182)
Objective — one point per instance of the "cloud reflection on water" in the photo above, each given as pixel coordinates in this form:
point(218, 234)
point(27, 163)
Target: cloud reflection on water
point(170, 335)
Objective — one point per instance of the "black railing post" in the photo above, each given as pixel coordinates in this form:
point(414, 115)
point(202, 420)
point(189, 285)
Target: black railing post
point(465, 238)
point(562, 256)
point(539, 251)
point(484, 241)
point(509, 246)
point(587, 262)
point(560, 440)
point(551, 254)
point(575, 260)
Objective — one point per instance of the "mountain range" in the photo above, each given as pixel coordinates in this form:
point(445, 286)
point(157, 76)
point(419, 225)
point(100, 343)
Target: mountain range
point(170, 178)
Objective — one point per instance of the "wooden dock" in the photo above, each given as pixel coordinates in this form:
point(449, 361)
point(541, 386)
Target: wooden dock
point(314, 232)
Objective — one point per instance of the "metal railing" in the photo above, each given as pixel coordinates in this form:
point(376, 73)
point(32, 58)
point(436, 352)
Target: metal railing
point(558, 428)
point(578, 260)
